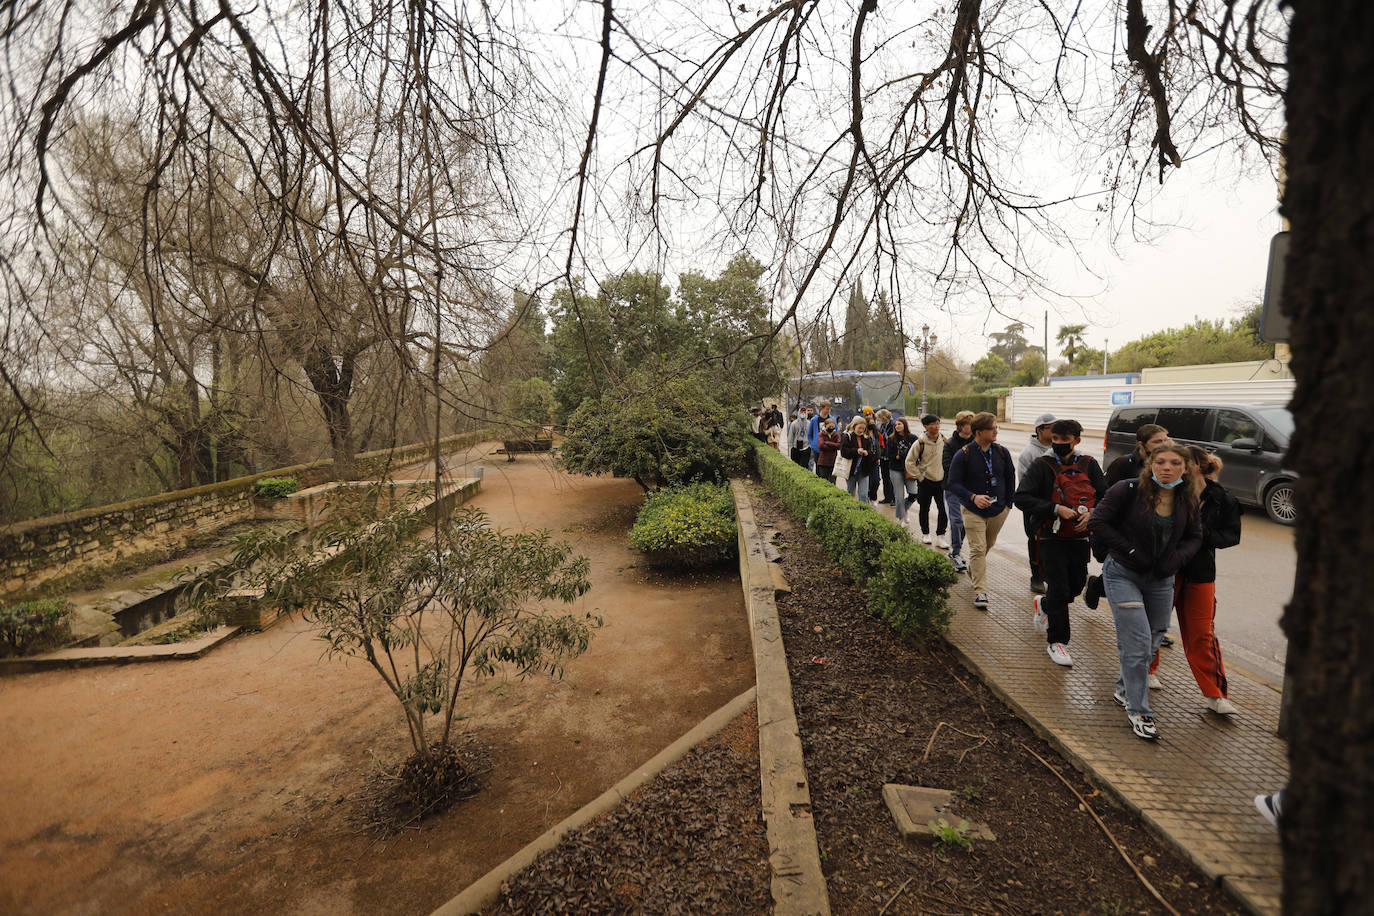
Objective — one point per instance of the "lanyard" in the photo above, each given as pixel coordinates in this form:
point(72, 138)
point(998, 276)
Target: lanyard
point(987, 459)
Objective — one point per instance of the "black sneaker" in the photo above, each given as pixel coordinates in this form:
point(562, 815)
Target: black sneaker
point(1166, 641)
point(1094, 592)
point(1144, 727)
point(1038, 586)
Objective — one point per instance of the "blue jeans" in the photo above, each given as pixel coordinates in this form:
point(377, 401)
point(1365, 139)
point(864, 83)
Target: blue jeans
point(901, 487)
point(956, 523)
point(1141, 605)
point(857, 486)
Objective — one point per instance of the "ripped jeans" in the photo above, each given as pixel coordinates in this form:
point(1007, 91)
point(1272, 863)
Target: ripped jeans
point(1141, 606)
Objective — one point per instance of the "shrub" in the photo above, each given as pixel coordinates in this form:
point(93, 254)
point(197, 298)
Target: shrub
point(911, 589)
point(907, 584)
point(687, 526)
point(33, 626)
point(658, 431)
point(800, 491)
point(275, 487)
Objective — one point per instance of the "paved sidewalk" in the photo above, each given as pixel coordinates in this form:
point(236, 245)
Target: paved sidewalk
point(1196, 784)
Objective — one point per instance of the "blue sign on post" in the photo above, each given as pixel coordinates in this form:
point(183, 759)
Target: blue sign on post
point(1121, 398)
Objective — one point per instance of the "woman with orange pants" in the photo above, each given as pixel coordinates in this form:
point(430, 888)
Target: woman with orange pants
point(1195, 596)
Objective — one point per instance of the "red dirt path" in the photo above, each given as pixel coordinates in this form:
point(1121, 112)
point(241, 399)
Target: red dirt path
point(222, 785)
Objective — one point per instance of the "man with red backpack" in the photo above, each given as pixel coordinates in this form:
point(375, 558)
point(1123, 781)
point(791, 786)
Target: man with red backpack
point(1057, 495)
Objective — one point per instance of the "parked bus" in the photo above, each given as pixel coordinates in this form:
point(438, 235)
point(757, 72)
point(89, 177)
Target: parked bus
point(849, 390)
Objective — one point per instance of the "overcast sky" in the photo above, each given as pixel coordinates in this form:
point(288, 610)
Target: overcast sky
point(1204, 257)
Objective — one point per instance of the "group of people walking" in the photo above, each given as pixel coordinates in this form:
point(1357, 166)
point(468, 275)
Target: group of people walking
point(1155, 518)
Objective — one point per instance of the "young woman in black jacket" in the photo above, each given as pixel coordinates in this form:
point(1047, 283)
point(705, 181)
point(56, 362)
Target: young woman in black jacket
point(1195, 589)
point(894, 453)
point(1151, 529)
point(860, 446)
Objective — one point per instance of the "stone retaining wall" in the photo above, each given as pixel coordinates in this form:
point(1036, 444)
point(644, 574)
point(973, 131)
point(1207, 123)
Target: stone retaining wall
point(35, 551)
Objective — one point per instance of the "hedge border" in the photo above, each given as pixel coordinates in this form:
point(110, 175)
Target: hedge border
point(906, 584)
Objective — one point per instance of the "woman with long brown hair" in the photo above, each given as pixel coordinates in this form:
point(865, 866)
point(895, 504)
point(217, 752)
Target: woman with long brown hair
point(1195, 589)
point(1150, 527)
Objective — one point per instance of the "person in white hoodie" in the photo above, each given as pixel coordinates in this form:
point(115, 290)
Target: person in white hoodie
point(1040, 445)
point(924, 465)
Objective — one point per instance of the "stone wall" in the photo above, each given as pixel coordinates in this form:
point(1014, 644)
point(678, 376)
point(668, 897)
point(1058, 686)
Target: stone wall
point(35, 551)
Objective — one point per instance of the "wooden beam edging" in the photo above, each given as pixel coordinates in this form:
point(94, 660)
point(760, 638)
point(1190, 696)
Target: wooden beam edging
point(793, 855)
point(486, 890)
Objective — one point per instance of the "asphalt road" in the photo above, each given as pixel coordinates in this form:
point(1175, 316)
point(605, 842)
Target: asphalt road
point(1254, 578)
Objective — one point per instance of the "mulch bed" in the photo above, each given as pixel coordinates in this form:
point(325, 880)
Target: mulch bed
point(869, 707)
point(688, 842)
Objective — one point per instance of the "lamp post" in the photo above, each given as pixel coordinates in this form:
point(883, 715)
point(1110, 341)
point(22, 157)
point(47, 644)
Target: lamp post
point(1106, 345)
point(924, 345)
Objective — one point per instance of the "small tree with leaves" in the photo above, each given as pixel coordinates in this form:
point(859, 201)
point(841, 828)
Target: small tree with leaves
point(427, 614)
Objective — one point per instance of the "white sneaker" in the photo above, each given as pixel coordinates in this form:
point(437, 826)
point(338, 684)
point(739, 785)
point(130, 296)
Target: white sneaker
point(980, 601)
point(1155, 682)
point(1221, 706)
point(925, 539)
point(1041, 619)
point(941, 543)
point(1059, 654)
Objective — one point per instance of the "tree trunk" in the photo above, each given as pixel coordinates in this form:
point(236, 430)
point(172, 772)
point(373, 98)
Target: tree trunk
point(333, 386)
point(1328, 825)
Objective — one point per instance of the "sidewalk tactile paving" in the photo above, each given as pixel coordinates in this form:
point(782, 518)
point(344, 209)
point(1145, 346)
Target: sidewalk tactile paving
point(1196, 785)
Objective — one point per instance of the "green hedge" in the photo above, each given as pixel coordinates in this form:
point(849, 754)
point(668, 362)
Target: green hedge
point(693, 525)
point(907, 584)
point(947, 405)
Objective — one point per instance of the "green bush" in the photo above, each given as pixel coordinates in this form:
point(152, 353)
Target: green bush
point(911, 589)
point(854, 535)
point(33, 626)
point(907, 584)
point(947, 405)
point(658, 431)
point(800, 490)
point(687, 526)
point(275, 487)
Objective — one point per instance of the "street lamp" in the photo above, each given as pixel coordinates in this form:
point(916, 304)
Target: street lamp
point(924, 346)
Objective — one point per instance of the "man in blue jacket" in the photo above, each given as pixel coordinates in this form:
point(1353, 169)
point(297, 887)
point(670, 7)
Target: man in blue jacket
point(982, 476)
point(814, 427)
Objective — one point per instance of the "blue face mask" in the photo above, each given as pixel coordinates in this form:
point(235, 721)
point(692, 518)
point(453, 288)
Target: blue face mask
point(1165, 486)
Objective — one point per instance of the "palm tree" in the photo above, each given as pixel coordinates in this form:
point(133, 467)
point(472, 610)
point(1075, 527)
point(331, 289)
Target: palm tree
point(1071, 336)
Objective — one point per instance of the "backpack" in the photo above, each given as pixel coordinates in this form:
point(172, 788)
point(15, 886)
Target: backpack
point(1073, 488)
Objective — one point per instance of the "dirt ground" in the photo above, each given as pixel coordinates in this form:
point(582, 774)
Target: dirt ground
point(874, 709)
point(223, 785)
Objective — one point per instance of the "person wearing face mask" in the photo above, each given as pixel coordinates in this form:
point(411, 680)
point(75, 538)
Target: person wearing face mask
point(1057, 496)
point(827, 446)
point(1195, 596)
point(1151, 529)
point(1127, 467)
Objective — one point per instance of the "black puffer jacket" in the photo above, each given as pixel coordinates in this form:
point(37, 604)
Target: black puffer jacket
point(1124, 523)
point(953, 445)
point(1220, 514)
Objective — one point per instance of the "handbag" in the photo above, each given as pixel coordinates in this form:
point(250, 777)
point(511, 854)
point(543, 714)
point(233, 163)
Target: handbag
point(842, 467)
point(920, 452)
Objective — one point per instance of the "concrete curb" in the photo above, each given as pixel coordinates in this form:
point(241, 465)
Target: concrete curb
point(114, 655)
point(487, 889)
point(798, 884)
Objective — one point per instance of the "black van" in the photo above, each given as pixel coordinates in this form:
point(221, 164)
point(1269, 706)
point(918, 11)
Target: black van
point(1251, 440)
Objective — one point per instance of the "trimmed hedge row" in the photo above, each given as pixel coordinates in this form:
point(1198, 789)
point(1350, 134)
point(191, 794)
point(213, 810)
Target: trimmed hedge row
point(906, 583)
point(947, 405)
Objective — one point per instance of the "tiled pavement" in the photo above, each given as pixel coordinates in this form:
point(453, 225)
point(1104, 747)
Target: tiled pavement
point(1196, 784)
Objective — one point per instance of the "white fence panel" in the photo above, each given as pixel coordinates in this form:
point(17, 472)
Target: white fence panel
point(1092, 405)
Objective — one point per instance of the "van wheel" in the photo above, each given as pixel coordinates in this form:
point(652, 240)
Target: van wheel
point(1278, 503)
